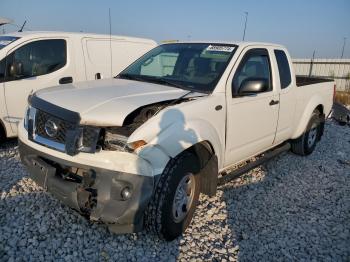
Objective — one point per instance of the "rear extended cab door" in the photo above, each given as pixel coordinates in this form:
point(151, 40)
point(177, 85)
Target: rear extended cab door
point(251, 119)
point(286, 84)
point(40, 63)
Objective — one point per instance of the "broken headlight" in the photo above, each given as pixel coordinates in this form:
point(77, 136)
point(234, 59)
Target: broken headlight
point(116, 139)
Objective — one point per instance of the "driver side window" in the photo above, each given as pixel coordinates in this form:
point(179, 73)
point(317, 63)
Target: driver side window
point(255, 65)
point(36, 58)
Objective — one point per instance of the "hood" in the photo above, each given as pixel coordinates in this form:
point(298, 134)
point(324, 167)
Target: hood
point(108, 102)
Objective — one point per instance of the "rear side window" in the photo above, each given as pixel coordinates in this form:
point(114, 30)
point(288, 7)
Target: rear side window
point(36, 58)
point(283, 68)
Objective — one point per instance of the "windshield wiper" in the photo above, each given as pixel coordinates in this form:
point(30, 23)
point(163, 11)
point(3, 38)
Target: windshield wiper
point(130, 77)
point(169, 83)
point(152, 79)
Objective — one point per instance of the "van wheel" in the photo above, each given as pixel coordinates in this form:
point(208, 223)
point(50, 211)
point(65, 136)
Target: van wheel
point(175, 198)
point(306, 143)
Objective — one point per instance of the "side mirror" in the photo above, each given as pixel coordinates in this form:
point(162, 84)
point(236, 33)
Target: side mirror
point(251, 86)
point(16, 69)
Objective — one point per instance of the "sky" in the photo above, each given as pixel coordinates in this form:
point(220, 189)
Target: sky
point(301, 25)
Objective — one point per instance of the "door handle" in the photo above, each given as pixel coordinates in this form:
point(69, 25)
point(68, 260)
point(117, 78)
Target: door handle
point(274, 102)
point(66, 80)
point(98, 76)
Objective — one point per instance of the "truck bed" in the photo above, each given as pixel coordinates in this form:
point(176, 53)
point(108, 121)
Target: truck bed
point(306, 80)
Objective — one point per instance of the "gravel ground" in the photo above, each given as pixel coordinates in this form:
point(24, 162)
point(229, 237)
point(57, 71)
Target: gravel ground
point(292, 208)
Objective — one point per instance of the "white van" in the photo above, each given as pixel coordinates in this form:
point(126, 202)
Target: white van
point(30, 61)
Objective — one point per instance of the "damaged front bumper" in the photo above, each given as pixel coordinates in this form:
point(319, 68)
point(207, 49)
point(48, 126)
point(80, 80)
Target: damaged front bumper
point(115, 198)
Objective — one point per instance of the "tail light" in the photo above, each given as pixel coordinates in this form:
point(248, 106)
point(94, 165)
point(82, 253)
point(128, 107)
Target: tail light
point(334, 92)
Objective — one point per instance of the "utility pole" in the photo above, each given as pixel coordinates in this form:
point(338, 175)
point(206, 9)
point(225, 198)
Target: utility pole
point(312, 63)
point(245, 24)
point(342, 51)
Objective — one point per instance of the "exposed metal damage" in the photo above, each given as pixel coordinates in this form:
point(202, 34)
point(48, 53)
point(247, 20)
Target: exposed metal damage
point(115, 138)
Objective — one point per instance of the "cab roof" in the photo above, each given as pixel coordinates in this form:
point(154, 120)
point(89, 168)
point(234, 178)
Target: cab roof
point(238, 43)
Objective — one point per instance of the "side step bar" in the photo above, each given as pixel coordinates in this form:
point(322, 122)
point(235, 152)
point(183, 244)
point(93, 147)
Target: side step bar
point(242, 170)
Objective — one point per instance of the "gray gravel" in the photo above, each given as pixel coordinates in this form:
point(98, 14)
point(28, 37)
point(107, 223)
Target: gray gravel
point(292, 208)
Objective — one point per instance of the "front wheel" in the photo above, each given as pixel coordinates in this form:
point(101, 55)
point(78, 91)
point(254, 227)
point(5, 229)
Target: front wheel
point(175, 199)
point(306, 143)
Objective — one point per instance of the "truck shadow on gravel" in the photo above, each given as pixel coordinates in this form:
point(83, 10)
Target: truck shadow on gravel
point(294, 208)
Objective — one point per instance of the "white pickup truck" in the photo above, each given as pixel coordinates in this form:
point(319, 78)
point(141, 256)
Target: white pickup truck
point(136, 151)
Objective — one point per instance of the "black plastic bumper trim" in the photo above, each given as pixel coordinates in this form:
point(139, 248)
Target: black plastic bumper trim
point(121, 216)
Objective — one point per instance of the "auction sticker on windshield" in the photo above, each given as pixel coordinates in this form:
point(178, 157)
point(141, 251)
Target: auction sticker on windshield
point(220, 48)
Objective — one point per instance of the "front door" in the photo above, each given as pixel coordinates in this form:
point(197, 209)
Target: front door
point(35, 65)
point(251, 118)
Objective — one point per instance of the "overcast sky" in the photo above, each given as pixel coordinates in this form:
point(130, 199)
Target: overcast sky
point(301, 25)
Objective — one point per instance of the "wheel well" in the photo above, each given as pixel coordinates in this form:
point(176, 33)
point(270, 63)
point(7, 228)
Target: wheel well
point(203, 151)
point(2, 129)
point(208, 166)
point(319, 108)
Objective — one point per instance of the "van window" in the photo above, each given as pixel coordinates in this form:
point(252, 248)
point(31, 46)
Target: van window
point(283, 68)
point(36, 58)
point(2, 70)
point(160, 65)
point(6, 40)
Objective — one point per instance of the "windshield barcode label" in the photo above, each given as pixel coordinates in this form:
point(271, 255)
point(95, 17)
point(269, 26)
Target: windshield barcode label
point(220, 48)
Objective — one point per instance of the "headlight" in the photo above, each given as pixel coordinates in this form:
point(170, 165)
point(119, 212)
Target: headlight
point(116, 140)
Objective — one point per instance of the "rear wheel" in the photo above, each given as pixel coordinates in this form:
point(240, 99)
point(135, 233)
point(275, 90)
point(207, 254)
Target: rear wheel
point(306, 143)
point(175, 199)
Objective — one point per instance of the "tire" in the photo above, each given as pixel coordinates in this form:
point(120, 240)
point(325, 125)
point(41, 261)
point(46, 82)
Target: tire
point(163, 217)
point(306, 143)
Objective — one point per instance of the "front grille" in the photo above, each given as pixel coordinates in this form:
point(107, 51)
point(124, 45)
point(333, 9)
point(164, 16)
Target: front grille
point(41, 119)
point(70, 137)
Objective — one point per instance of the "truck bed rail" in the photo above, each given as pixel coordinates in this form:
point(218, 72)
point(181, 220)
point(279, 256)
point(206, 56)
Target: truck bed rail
point(306, 80)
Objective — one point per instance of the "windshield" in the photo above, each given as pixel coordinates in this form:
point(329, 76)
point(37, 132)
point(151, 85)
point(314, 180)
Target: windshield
point(190, 66)
point(6, 40)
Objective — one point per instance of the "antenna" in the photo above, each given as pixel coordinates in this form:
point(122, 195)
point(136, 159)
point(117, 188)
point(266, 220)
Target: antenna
point(110, 38)
point(21, 30)
point(245, 24)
